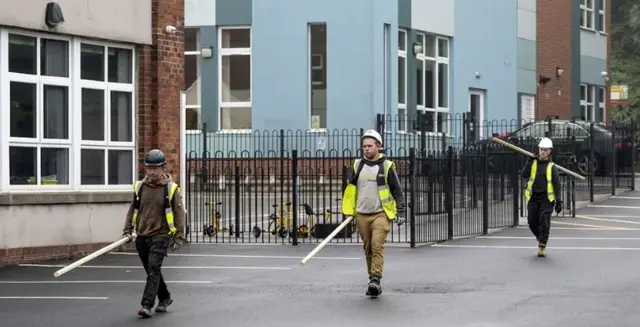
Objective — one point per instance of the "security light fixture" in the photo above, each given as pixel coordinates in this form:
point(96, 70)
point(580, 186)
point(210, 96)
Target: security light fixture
point(53, 15)
point(417, 48)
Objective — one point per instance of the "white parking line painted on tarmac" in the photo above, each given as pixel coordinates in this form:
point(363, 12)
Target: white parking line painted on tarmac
point(53, 298)
point(562, 238)
point(613, 216)
point(196, 255)
point(611, 206)
point(626, 197)
point(163, 267)
point(608, 220)
point(98, 282)
point(534, 247)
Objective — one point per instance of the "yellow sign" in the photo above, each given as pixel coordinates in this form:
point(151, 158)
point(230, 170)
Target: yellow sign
point(619, 92)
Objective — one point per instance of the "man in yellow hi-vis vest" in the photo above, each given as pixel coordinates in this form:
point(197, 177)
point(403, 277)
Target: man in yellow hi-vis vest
point(156, 215)
point(542, 193)
point(374, 197)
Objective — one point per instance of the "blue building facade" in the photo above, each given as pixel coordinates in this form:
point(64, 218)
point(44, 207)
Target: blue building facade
point(311, 70)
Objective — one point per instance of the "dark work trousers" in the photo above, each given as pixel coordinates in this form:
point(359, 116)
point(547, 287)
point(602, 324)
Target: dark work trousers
point(539, 217)
point(152, 251)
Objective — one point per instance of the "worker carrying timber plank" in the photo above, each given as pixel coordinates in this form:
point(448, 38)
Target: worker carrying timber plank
point(542, 193)
point(374, 196)
point(157, 216)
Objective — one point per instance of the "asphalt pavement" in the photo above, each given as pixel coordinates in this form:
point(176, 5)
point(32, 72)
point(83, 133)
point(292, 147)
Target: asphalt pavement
point(589, 278)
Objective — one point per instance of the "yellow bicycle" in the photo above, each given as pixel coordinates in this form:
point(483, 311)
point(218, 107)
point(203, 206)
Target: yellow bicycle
point(312, 220)
point(280, 223)
point(214, 226)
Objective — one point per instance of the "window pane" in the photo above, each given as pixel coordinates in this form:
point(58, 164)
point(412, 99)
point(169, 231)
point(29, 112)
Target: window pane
point(443, 48)
point(590, 94)
point(401, 79)
point(419, 82)
point(583, 92)
point(193, 119)
point(92, 167)
point(600, 22)
point(22, 165)
point(54, 166)
point(191, 38)
point(402, 116)
point(120, 65)
point(235, 118)
point(402, 42)
point(92, 115)
point(120, 167)
point(23, 109)
point(192, 79)
point(318, 80)
point(56, 112)
point(443, 85)
point(121, 117)
point(430, 46)
point(600, 115)
point(22, 54)
point(236, 38)
point(430, 84)
point(54, 58)
point(443, 122)
point(92, 62)
point(583, 112)
point(236, 78)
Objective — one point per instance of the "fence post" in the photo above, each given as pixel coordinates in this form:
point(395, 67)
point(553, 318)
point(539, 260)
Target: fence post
point(485, 192)
point(237, 200)
point(613, 158)
point(515, 189)
point(412, 200)
point(448, 193)
point(591, 159)
point(294, 196)
point(634, 143)
point(203, 169)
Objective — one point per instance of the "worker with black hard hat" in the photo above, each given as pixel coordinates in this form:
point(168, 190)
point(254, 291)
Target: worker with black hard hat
point(156, 215)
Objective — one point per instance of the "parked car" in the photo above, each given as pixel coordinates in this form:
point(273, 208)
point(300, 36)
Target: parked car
point(572, 139)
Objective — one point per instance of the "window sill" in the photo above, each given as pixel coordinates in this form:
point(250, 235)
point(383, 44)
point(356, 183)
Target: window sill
point(36, 197)
point(317, 130)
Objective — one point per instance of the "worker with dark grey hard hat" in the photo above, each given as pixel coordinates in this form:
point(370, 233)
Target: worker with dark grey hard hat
point(156, 215)
point(542, 193)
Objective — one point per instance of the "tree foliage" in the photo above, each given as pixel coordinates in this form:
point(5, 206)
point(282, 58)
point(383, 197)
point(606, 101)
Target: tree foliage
point(625, 55)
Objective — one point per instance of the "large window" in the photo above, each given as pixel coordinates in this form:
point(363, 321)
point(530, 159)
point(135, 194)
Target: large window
point(432, 85)
point(402, 80)
point(601, 116)
point(68, 105)
point(317, 36)
point(587, 16)
point(587, 102)
point(234, 78)
point(192, 78)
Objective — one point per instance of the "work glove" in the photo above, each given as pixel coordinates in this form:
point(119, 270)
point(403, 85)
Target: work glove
point(176, 243)
point(401, 219)
point(127, 235)
point(558, 206)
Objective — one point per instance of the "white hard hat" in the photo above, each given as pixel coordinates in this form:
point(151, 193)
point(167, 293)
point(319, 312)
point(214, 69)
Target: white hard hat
point(373, 134)
point(545, 143)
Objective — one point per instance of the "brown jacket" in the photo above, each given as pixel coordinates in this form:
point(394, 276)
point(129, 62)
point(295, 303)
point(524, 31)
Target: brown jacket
point(151, 218)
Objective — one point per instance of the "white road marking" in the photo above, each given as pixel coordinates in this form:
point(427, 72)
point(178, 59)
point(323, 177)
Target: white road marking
point(163, 267)
point(609, 220)
point(612, 206)
point(533, 247)
point(562, 238)
point(240, 256)
point(98, 282)
point(612, 216)
point(52, 298)
point(586, 228)
point(625, 197)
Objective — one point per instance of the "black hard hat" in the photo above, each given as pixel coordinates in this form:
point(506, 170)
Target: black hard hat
point(155, 157)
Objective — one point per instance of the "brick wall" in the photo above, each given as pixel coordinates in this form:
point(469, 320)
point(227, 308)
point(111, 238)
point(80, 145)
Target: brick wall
point(160, 79)
point(607, 28)
point(553, 34)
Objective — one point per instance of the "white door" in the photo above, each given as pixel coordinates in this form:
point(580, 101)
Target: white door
point(476, 109)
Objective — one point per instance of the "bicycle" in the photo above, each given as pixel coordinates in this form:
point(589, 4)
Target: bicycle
point(312, 220)
point(214, 226)
point(279, 224)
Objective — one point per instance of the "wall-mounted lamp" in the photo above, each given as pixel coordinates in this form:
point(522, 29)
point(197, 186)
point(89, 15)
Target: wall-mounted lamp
point(417, 48)
point(206, 52)
point(559, 71)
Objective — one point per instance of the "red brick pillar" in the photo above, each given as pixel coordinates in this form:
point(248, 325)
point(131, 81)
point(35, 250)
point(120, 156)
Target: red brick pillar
point(160, 79)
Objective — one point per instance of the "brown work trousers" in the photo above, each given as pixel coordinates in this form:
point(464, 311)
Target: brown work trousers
point(373, 229)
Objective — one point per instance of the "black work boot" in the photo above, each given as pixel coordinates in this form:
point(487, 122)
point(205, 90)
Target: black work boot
point(145, 312)
point(162, 306)
point(374, 288)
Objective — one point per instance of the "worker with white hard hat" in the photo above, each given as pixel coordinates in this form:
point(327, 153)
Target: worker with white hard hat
point(542, 193)
point(374, 196)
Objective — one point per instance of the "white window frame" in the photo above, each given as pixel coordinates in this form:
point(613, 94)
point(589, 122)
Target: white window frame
point(602, 103)
point(588, 15)
point(589, 105)
point(231, 52)
point(197, 107)
point(402, 54)
point(437, 59)
point(74, 143)
point(601, 13)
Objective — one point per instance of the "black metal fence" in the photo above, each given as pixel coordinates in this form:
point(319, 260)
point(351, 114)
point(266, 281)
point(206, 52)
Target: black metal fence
point(262, 186)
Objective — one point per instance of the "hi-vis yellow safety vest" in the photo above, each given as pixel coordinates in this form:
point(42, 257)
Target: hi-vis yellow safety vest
point(350, 196)
point(169, 192)
point(550, 192)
